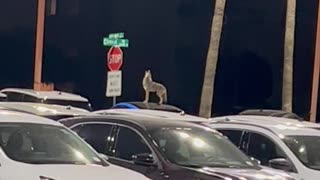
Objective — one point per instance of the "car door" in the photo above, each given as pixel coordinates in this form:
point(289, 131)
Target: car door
point(254, 144)
point(263, 148)
point(130, 142)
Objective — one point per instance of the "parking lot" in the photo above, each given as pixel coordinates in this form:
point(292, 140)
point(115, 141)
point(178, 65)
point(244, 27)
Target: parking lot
point(55, 135)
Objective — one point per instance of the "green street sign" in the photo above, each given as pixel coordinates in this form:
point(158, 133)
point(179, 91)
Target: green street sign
point(116, 42)
point(116, 35)
point(122, 43)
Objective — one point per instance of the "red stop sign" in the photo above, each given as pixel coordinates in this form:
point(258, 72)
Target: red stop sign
point(114, 58)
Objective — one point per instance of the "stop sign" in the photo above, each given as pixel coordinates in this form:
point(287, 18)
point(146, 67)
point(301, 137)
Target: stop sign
point(114, 58)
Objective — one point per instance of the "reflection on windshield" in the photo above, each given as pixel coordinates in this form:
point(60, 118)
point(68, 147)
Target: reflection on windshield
point(44, 144)
point(196, 147)
point(306, 149)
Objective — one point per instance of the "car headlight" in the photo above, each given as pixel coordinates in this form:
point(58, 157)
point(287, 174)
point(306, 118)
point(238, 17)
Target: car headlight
point(45, 178)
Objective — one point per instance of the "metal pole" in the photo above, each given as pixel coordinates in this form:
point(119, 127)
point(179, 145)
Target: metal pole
point(39, 44)
point(114, 100)
point(315, 80)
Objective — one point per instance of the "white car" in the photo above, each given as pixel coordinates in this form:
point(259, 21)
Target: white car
point(46, 97)
point(281, 143)
point(51, 111)
point(35, 148)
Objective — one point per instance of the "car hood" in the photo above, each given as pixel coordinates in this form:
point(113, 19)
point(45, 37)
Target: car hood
point(75, 172)
point(248, 174)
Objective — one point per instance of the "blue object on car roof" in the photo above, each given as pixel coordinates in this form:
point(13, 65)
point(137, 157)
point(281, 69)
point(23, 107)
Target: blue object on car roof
point(124, 106)
point(150, 105)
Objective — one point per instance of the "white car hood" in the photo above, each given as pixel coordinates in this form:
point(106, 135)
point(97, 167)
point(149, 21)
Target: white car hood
point(72, 172)
point(250, 174)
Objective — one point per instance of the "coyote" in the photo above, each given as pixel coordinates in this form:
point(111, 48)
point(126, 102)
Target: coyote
point(150, 86)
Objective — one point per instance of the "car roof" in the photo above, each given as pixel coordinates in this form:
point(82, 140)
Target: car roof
point(145, 122)
point(153, 113)
point(52, 95)
point(271, 112)
point(152, 106)
point(8, 116)
point(43, 109)
point(278, 125)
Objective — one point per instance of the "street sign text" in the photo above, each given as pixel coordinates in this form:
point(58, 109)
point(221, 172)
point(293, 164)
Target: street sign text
point(115, 42)
point(114, 59)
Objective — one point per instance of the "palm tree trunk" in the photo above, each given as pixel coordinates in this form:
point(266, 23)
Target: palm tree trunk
point(212, 59)
point(287, 84)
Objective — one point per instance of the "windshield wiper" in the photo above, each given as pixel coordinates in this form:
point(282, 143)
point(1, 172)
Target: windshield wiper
point(53, 162)
point(191, 165)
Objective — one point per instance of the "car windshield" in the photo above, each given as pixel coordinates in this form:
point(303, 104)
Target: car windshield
point(196, 147)
point(306, 149)
point(45, 144)
point(78, 104)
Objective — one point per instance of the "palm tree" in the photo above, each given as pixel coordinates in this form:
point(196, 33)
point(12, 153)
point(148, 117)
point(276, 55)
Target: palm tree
point(287, 82)
point(212, 59)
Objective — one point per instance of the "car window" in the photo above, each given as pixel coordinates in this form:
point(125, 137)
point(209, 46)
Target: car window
point(97, 135)
point(27, 98)
point(233, 135)
point(11, 96)
point(130, 143)
point(44, 144)
point(263, 149)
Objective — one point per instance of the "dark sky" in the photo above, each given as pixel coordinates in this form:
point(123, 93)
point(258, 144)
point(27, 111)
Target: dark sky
point(170, 37)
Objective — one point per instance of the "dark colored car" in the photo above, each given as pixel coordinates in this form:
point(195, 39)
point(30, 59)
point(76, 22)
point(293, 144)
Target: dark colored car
point(150, 105)
point(167, 149)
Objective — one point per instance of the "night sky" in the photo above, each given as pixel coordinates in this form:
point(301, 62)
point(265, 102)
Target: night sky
point(169, 37)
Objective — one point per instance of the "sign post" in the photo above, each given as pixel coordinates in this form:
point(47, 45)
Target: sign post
point(114, 62)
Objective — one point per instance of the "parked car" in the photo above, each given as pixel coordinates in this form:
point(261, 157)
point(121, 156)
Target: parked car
point(35, 148)
point(282, 143)
point(163, 148)
point(150, 105)
point(46, 97)
point(51, 111)
point(271, 112)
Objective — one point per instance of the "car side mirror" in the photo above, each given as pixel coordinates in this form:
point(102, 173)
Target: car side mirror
point(104, 157)
point(255, 161)
point(280, 163)
point(143, 159)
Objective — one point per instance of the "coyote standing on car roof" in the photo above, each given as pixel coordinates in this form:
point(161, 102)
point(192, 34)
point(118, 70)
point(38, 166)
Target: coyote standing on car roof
point(150, 86)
